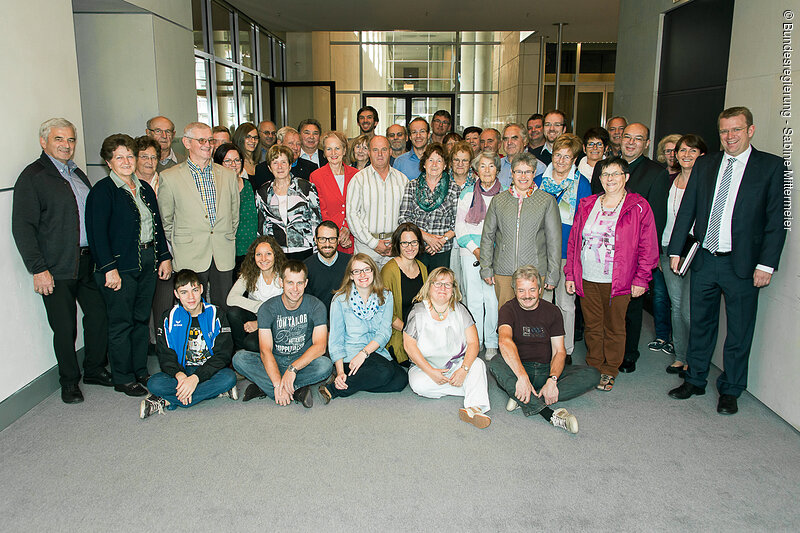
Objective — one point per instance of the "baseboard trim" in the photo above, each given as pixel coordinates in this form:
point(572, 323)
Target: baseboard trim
point(28, 397)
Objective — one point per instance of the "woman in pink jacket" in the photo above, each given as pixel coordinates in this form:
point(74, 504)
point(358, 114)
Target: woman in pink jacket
point(611, 254)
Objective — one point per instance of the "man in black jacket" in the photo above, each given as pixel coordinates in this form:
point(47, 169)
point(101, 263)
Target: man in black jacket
point(47, 222)
point(651, 180)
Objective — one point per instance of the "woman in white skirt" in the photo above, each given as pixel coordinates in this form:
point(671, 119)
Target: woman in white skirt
point(441, 340)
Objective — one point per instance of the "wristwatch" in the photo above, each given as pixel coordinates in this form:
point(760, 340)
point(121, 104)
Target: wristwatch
point(292, 369)
point(554, 378)
point(465, 368)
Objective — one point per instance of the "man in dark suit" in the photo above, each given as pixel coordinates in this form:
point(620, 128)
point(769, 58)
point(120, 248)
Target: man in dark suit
point(47, 221)
point(651, 180)
point(301, 168)
point(310, 130)
point(734, 201)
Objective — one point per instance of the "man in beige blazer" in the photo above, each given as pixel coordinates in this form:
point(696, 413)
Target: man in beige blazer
point(199, 204)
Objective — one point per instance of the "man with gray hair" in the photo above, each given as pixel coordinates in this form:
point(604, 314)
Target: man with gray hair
point(515, 138)
point(199, 204)
point(310, 131)
point(531, 369)
point(162, 130)
point(47, 222)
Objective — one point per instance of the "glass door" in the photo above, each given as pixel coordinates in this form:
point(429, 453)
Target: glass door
point(592, 107)
point(401, 108)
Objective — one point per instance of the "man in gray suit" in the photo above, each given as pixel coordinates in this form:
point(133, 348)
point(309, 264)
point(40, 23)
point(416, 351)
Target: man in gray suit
point(199, 204)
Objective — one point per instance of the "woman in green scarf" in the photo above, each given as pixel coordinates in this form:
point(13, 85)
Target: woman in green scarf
point(430, 202)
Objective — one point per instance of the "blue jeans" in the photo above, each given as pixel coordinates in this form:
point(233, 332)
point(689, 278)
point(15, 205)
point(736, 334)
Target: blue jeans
point(661, 307)
point(574, 381)
point(249, 365)
point(164, 385)
point(678, 289)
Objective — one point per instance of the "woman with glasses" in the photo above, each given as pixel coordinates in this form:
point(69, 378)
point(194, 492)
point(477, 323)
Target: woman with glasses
point(429, 201)
point(568, 186)
point(360, 325)
point(230, 156)
point(331, 181)
point(611, 253)
point(246, 138)
point(595, 143)
point(442, 342)
point(522, 227)
point(460, 158)
point(666, 154)
point(472, 206)
point(129, 248)
point(148, 154)
point(258, 281)
point(288, 207)
point(403, 276)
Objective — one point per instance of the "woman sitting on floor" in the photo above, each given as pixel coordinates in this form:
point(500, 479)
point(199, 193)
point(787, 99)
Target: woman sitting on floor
point(360, 326)
point(258, 282)
point(441, 340)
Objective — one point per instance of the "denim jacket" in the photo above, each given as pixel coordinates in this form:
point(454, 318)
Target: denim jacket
point(349, 334)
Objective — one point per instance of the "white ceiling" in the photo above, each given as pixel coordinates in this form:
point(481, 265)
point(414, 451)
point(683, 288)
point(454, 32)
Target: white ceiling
point(587, 20)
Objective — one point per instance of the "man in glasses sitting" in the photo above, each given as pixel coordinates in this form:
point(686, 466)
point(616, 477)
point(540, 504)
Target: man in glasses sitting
point(326, 268)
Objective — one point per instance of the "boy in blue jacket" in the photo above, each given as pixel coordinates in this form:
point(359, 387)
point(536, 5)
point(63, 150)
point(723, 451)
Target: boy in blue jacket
point(194, 347)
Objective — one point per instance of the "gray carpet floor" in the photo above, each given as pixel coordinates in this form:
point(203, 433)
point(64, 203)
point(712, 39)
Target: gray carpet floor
point(397, 462)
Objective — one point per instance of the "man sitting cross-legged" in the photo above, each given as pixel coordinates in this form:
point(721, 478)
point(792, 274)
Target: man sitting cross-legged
point(194, 347)
point(292, 336)
point(531, 369)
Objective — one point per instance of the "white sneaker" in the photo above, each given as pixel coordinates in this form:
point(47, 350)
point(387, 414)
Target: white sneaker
point(562, 419)
point(490, 352)
point(512, 405)
point(233, 394)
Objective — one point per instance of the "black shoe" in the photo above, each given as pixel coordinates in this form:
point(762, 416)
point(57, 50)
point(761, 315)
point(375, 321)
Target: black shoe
point(569, 360)
point(727, 405)
point(253, 391)
point(131, 389)
point(627, 366)
point(303, 395)
point(675, 369)
point(687, 390)
point(103, 378)
point(142, 380)
point(71, 394)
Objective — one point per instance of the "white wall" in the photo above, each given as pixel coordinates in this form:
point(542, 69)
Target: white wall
point(753, 81)
point(40, 82)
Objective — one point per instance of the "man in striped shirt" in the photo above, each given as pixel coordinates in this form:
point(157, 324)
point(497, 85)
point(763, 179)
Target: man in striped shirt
point(373, 202)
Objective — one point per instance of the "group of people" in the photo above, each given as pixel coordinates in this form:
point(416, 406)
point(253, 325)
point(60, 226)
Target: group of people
point(299, 259)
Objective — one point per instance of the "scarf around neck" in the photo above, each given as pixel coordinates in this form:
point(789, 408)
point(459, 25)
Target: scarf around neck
point(364, 311)
point(565, 193)
point(427, 200)
point(477, 210)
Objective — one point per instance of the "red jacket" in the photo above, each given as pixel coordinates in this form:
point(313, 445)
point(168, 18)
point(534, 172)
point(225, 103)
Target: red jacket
point(636, 245)
point(331, 200)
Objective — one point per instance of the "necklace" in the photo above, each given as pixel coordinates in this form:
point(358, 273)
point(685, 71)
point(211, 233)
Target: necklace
point(605, 211)
point(440, 313)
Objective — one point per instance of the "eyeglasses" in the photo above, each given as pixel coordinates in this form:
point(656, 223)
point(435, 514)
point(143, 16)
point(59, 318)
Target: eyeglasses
point(442, 284)
point(732, 130)
point(148, 157)
point(203, 142)
point(669, 150)
point(251, 137)
point(327, 239)
point(231, 161)
point(409, 244)
point(612, 174)
point(523, 172)
point(365, 270)
point(594, 144)
point(562, 157)
point(438, 121)
point(554, 124)
point(159, 131)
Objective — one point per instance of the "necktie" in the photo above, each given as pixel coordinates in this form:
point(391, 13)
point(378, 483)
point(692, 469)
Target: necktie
point(720, 199)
